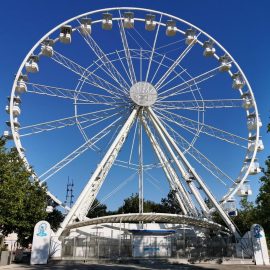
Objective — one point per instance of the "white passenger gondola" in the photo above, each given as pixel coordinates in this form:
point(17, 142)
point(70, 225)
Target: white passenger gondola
point(21, 86)
point(230, 207)
point(170, 28)
point(238, 81)
point(247, 101)
point(252, 144)
point(245, 189)
point(252, 122)
point(225, 64)
point(16, 110)
point(254, 166)
point(85, 27)
point(65, 34)
point(46, 47)
point(49, 209)
point(128, 20)
point(31, 65)
point(107, 21)
point(15, 123)
point(150, 23)
point(7, 135)
point(209, 49)
point(16, 99)
point(190, 36)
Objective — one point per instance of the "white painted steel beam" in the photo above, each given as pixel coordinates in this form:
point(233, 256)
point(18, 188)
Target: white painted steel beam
point(168, 170)
point(182, 169)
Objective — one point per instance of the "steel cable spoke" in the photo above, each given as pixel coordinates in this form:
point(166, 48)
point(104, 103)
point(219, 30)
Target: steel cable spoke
point(88, 76)
point(64, 122)
point(198, 156)
point(206, 129)
point(114, 73)
point(175, 64)
point(127, 51)
point(83, 97)
point(199, 104)
point(90, 143)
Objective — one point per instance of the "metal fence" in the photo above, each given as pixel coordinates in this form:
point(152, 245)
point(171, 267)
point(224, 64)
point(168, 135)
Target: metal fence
point(177, 246)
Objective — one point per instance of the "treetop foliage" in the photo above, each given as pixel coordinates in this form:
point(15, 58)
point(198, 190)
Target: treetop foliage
point(22, 200)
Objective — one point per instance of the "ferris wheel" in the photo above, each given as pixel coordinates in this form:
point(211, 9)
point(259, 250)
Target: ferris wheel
point(143, 91)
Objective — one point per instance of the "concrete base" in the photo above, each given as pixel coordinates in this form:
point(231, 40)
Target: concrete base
point(5, 258)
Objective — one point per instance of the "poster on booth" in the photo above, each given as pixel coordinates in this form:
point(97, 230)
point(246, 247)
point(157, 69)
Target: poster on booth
point(259, 245)
point(41, 243)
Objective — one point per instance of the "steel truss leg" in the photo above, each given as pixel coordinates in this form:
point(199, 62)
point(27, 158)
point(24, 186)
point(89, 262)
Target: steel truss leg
point(181, 195)
point(141, 199)
point(220, 210)
point(82, 205)
point(181, 168)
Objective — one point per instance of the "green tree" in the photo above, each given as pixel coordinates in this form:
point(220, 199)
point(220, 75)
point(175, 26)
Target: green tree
point(263, 200)
point(22, 202)
point(247, 215)
point(97, 210)
point(55, 218)
point(170, 204)
point(130, 205)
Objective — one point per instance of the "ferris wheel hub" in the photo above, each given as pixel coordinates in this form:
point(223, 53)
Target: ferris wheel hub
point(143, 93)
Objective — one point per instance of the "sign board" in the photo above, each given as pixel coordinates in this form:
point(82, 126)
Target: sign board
point(259, 245)
point(41, 243)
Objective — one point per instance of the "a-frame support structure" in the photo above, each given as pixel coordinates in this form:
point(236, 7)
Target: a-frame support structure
point(182, 177)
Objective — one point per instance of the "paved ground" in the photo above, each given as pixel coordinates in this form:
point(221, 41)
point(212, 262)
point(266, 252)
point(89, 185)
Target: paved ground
point(135, 267)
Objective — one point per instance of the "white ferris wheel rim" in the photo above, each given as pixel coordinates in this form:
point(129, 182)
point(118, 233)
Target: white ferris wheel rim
point(17, 141)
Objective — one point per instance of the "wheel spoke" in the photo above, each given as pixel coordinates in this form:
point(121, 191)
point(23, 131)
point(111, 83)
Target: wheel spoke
point(199, 104)
point(85, 97)
point(198, 156)
point(165, 117)
point(153, 50)
point(127, 51)
point(64, 122)
point(88, 76)
point(160, 63)
point(174, 65)
point(204, 128)
point(142, 38)
point(178, 89)
point(78, 151)
point(170, 44)
point(101, 119)
point(125, 69)
point(113, 72)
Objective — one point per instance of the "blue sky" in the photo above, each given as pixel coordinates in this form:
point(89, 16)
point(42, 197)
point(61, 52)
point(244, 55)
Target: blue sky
point(240, 26)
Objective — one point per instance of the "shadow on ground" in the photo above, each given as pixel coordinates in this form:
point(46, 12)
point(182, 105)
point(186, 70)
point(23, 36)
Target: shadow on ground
point(145, 266)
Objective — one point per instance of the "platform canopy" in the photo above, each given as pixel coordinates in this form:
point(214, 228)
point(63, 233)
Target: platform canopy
point(148, 218)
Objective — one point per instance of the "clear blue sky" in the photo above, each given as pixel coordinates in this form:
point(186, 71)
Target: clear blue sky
point(242, 27)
